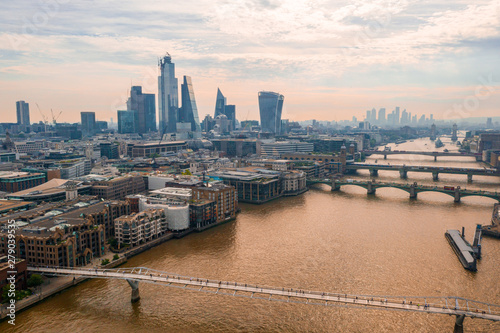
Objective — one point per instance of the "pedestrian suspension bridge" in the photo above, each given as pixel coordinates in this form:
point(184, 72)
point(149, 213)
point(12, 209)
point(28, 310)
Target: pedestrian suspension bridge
point(446, 305)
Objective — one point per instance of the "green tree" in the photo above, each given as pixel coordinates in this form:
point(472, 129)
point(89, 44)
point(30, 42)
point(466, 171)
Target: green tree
point(113, 242)
point(35, 280)
point(104, 262)
point(116, 257)
point(187, 173)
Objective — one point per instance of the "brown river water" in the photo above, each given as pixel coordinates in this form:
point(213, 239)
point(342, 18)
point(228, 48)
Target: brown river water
point(344, 241)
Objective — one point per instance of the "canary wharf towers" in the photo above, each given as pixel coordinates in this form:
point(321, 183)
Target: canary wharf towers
point(170, 115)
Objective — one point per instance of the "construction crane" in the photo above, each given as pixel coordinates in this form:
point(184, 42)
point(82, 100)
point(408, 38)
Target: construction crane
point(43, 117)
point(54, 118)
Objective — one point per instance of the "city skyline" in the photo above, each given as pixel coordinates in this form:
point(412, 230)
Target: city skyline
point(334, 61)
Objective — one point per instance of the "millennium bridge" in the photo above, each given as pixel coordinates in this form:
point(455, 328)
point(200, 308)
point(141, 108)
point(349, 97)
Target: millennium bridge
point(413, 189)
point(444, 305)
point(478, 156)
point(404, 169)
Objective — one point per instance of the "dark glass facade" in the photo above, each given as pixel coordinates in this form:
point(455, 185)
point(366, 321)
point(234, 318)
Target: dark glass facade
point(145, 110)
point(270, 107)
point(126, 122)
point(189, 111)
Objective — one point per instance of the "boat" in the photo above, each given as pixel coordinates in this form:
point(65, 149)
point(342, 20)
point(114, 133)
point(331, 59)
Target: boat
point(462, 249)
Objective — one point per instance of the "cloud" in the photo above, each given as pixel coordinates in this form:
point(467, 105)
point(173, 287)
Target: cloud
point(274, 44)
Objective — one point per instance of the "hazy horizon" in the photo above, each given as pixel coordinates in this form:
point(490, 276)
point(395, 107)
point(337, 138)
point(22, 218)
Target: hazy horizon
point(330, 59)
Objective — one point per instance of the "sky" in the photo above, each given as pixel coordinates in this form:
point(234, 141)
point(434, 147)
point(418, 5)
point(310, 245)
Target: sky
point(330, 59)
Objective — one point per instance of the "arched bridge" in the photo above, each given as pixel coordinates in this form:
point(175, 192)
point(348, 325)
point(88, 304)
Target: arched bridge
point(413, 189)
point(435, 154)
point(435, 171)
point(447, 305)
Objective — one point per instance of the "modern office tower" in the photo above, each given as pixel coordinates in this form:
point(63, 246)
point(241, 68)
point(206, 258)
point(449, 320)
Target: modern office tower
point(396, 116)
point(404, 117)
point(220, 104)
point(270, 107)
point(23, 113)
point(126, 121)
point(231, 116)
point(454, 134)
point(88, 123)
point(168, 95)
point(433, 132)
point(188, 113)
point(489, 123)
point(381, 116)
point(145, 110)
point(368, 115)
point(208, 123)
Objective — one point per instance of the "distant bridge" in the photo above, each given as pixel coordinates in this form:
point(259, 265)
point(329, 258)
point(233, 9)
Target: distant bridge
point(404, 169)
point(478, 156)
point(413, 189)
point(447, 305)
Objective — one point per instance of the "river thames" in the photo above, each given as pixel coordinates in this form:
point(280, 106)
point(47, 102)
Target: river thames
point(346, 242)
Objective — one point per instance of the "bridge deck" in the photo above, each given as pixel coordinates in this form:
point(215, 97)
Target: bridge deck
point(431, 304)
point(416, 168)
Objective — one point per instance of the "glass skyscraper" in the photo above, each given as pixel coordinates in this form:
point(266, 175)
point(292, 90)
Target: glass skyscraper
point(145, 110)
point(88, 123)
point(270, 107)
point(126, 121)
point(168, 95)
point(188, 113)
point(220, 104)
point(23, 113)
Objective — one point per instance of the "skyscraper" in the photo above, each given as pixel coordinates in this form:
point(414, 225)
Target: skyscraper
point(88, 123)
point(231, 116)
point(23, 113)
point(188, 113)
point(381, 116)
point(270, 107)
point(220, 104)
point(126, 121)
point(168, 95)
point(145, 110)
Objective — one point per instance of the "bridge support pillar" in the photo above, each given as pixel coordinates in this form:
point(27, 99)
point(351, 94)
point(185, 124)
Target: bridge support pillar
point(373, 172)
point(385, 156)
point(413, 191)
point(403, 174)
point(335, 187)
point(459, 324)
point(435, 158)
point(469, 178)
point(457, 194)
point(134, 284)
point(435, 175)
point(371, 188)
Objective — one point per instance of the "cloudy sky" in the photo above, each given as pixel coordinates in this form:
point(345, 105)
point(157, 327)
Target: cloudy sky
point(330, 59)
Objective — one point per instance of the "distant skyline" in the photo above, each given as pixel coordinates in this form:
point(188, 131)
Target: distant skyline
point(330, 59)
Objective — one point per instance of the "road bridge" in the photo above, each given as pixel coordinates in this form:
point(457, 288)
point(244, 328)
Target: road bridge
point(434, 170)
point(435, 154)
point(447, 305)
point(413, 189)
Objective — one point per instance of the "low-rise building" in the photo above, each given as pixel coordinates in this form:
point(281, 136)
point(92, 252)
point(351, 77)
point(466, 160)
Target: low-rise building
point(150, 148)
point(225, 197)
point(21, 271)
point(11, 181)
point(294, 183)
point(114, 188)
point(141, 227)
